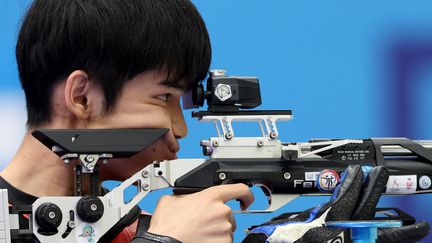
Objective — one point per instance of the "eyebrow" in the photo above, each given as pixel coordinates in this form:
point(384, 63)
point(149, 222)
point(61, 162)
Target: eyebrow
point(176, 84)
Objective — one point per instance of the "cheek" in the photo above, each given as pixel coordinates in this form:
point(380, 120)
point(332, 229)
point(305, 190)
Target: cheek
point(150, 118)
point(121, 169)
point(160, 119)
point(163, 117)
point(153, 152)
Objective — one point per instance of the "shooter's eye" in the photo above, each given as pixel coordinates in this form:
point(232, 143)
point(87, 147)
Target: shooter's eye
point(163, 97)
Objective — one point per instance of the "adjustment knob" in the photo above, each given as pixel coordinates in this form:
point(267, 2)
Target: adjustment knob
point(48, 216)
point(198, 95)
point(90, 209)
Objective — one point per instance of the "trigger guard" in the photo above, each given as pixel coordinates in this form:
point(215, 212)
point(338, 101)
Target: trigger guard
point(266, 190)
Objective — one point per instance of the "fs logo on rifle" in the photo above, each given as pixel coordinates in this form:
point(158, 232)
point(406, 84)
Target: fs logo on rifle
point(327, 180)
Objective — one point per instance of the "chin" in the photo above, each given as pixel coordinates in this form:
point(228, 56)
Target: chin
point(172, 156)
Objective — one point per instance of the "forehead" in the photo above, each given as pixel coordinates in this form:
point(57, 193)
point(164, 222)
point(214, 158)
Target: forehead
point(177, 80)
point(157, 80)
point(180, 84)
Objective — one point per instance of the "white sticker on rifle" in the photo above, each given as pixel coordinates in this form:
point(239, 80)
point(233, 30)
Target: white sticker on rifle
point(311, 176)
point(402, 184)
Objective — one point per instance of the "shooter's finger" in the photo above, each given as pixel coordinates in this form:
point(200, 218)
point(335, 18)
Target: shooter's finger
point(238, 191)
point(233, 222)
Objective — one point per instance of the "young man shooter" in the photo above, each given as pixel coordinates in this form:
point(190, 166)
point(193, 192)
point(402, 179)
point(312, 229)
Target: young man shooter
point(125, 64)
point(115, 64)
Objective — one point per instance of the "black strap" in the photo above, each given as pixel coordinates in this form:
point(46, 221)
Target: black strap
point(143, 223)
point(142, 236)
point(127, 220)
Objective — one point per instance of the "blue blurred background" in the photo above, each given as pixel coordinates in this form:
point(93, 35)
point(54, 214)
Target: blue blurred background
point(346, 69)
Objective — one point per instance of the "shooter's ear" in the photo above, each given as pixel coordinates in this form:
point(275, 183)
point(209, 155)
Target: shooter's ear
point(77, 90)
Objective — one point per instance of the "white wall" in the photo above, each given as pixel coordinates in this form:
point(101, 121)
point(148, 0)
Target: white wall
point(12, 124)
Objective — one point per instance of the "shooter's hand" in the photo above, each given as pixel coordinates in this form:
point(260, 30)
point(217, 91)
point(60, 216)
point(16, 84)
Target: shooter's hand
point(355, 198)
point(200, 217)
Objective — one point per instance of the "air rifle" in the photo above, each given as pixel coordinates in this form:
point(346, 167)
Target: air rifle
point(284, 170)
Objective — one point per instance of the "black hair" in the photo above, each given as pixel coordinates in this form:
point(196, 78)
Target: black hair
point(111, 40)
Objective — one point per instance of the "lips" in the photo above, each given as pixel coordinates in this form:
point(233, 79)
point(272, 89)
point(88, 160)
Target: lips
point(174, 147)
point(174, 153)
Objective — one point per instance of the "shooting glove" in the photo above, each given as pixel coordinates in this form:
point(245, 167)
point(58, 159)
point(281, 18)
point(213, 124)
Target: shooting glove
point(354, 198)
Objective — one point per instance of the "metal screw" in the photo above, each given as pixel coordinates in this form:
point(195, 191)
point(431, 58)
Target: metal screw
point(145, 174)
point(89, 158)
point(93, 207)
point(228, 136)
point(222, 176)
point(57, 149)
point(207, 151)
point(260, 143)
point(215, 143)
point(51, 215)
point(145, 187)
point(217, 73)
point(287, 175)
point(71, 224)
point(273, 135)
point(90, 166)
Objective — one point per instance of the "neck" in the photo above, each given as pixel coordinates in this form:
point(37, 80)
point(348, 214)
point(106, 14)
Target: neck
point(38, 171)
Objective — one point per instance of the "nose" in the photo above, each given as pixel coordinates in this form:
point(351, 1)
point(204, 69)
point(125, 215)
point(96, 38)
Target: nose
point(178, 123)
